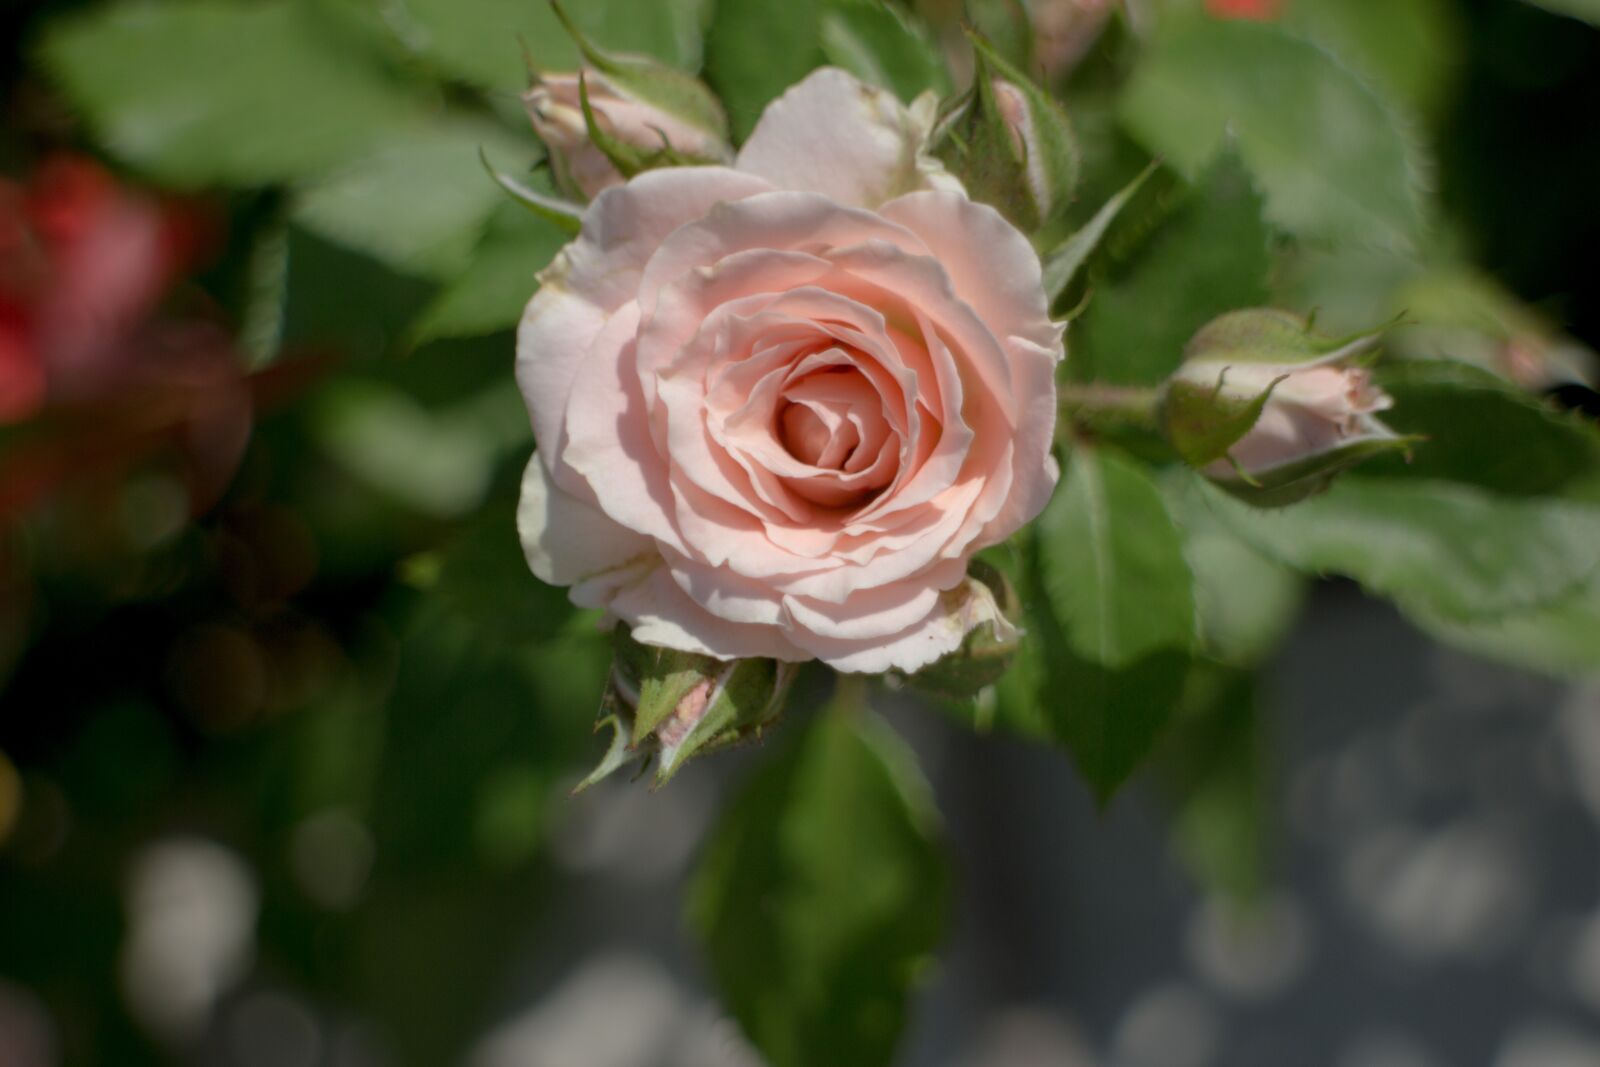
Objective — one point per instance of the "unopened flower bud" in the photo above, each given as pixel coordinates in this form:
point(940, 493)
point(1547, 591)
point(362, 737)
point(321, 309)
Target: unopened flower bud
point(1010, 144)
point(1271, 411)
point(641, 113)
point(987, 607)
point(674, 705)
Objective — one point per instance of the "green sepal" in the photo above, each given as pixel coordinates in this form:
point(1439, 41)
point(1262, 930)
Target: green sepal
point(670, 706)
point(562, 213)
point(989, 648)
point(1271, 335)
point(651, 81)
point(1202, 421)
point(1063, 264)
point(1032, 184)
point(1291, 483)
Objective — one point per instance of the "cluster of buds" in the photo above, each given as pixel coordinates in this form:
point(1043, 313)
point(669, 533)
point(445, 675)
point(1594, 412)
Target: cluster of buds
point(1270, 410)
point(669, 706)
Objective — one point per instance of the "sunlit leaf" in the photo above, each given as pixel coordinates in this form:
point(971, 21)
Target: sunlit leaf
point(1112, 563)
point(201, 91)
point(491, 292)
point(418, 201)
point(1335, 159)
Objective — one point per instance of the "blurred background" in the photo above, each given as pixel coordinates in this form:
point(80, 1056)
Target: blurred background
point(287, 731)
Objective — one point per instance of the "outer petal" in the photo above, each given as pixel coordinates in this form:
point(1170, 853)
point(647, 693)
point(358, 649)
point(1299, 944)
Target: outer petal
point(991, 265)
point(569, 542)
point(663, 614)
point(599, 272)
point(835, 135)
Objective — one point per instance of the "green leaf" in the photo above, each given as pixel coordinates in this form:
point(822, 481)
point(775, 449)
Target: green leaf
point(1213, 765)
point(1482, 431)
point(1209, 256)
point(755, 49)
point(480, 41)
point(1110, 720)
point(1062, 265)
point(491, 293)
point(438, 461)
point(881, 45)
point(200, 92)
point(1587, 10)
point(1409, 49)
point(1335, 159)
point(1112, 563)
point(821, 896)
point(1562, 637)
point(1446, 550)
point(419, 201)
point(1245, 602)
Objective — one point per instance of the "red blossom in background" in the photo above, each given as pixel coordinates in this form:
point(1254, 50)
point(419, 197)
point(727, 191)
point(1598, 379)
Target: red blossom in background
point(1259, 10)
point(85, 262)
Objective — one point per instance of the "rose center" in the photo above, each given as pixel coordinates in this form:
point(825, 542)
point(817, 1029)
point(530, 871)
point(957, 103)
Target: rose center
point(824, 418)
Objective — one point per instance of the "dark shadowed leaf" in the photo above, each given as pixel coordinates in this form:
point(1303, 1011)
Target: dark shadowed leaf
point(1209, 256)
point(821, 895)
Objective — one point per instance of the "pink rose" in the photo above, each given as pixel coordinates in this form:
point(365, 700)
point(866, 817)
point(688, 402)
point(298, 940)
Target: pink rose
point(556, 110)
point(779, 405)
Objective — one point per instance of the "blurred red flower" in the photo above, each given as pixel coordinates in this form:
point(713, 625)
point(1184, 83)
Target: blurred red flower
point(85, 260)
point(1259, 10)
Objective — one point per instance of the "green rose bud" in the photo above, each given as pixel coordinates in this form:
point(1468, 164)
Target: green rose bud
point(1270, 410)
point(671, 706)
point(620, 115)
point(1010, 144)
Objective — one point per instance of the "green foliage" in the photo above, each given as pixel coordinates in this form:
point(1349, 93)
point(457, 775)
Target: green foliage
point(1480, 430)
point(1410, 49)
point(1121, 616)
point(1208, 256)
point(1113, 563)
point(1446, 550)
point(1245, 602)
point(1337, 162)
point(883, 46)
point(202, 91)
point(1214, 766)
point(477, 41)
point(491, 292)
point(756, 49)
point(821, 894)
point(418, 201)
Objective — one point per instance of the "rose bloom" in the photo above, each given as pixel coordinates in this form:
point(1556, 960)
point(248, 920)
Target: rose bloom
point(778, 405)
point(556, 111)
point(1312, 411)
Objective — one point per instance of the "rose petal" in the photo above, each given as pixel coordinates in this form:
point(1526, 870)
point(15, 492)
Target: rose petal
point(568, 542)
point(835, 135)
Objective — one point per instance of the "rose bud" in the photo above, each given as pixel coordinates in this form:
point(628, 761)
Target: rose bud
point(675, 705)
point(1271, 411)
point(620, 115)
point(1010, 144)
point(991, 642)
